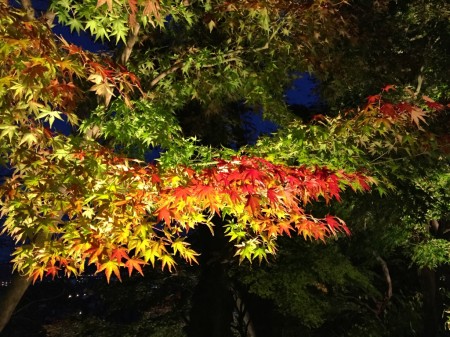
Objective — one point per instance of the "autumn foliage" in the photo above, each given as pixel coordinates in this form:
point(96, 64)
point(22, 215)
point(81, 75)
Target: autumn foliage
point(71, 202)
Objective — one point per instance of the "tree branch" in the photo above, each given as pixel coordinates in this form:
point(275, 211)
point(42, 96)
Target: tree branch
point(387, 277)
point(169, 71)
point(49, 17)
point(27, 5)
point(131, 41)
point(16, 289)
point(419, 82)
point(179, 64)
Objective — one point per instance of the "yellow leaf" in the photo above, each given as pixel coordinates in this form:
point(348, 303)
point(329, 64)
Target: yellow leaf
point(110, 267)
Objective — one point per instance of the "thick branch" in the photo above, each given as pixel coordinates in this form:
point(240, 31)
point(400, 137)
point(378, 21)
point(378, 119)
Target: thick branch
point(8, 304)
point(434, 224)
point(49, 17)
point(16, 290)
point(131, 41)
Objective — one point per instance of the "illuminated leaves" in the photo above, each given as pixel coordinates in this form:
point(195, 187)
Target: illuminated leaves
point(110, 267)
point(121, 214)
point(100, 208)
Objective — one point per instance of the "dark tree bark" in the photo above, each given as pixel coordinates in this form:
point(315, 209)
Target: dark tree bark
point(431, 317)
point(16, 290)
point(212, 302)
point(9, 302)
point(212, 308)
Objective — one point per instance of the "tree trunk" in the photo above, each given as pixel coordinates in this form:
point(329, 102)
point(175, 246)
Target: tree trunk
point(212, 302)
point(429, 290)
point(12, 298)
point(212, 307)
point(16, 289)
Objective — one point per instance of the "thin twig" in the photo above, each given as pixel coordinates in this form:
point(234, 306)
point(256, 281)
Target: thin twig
point(179, 64)
point(387, 277)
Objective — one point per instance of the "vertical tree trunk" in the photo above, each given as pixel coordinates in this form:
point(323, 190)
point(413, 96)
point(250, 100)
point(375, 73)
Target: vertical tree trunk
point(16, 289)
point(212, 308)
point(212, 302)
point(430, 312)
point(12, 298)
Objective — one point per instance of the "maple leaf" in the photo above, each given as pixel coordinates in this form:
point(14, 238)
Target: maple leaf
point(285, 227)
point(388, 88)
point(273, 230)
point(362, 182)
point(388, 109)
point(52, 270)
point(167, 261)
point(234, 196)
point(253, 203)
point(204, 191)
point(37, 274)
point(417, 116)
point(118, 254)
point(133, 9)
point(135, 264)
point(432, 104)
point(94, 252)
point(182, 192)
point(109, 267)
point(272, 195)
point(336, 224)
point(253, 175)
point(373, 99)
point(190, 255)
point(104, 89)
point(34, 70)
point(108, 2)
point(164, 214)
point(156, 179)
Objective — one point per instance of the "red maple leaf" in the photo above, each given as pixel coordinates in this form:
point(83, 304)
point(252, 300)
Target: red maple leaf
point(253, 203)
point(119, 254)
point(234, 196)
point(52, 270)
point(272, 195)
point(182, 192)
point(388, 109)
point(388, 87)
point(373, 99)
point(432, 104)
point(254, 175)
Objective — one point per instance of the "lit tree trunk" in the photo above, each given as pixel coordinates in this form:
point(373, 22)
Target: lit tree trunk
point(14, 294)
point(16, 290)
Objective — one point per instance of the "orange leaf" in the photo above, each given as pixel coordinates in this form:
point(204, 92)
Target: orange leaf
point(108, 2)
point(119, 254)
point(52, 270)
point(253, 203)
point(164, 214)
point(135, 264)
point(417, 116)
